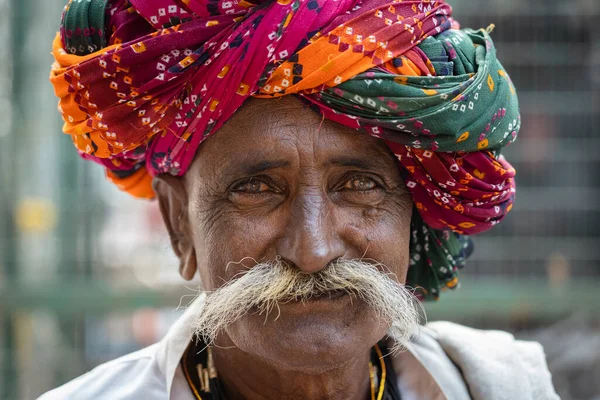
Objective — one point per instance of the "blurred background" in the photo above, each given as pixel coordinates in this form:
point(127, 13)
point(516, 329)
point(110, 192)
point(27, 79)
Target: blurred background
point(87, 274)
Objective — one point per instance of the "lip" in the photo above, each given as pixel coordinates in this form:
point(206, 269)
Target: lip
point(332, 301)
point(326, 298)
point(331, 295)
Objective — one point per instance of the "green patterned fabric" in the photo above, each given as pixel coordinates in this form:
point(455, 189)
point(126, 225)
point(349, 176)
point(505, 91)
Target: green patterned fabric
point(84, 26)
point(435, 258)
point(448, 105)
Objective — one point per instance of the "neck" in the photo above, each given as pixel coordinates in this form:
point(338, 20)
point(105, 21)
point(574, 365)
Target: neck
point(245, 376)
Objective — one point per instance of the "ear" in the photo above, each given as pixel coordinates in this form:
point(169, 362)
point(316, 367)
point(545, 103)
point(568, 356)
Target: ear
point(173, 200)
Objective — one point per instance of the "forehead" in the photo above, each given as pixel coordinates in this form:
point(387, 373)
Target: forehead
point(265, 130)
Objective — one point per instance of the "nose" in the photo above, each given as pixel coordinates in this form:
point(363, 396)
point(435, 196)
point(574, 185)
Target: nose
point(311, 240)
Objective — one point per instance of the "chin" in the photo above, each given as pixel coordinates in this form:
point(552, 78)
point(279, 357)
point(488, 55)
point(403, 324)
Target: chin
point(309, 338)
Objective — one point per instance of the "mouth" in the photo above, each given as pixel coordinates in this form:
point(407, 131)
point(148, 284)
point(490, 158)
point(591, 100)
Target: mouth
point(324, 302)
point(330, 295)
point(323, 296)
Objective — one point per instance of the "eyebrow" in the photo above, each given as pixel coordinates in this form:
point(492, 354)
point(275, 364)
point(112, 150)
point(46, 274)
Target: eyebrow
point(371, 163)
point(252, 167)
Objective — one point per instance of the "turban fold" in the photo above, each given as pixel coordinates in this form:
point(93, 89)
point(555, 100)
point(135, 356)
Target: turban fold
point(142, 83)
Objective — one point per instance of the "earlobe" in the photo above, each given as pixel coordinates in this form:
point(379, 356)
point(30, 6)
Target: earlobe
point(187, 264)
point(172, 199)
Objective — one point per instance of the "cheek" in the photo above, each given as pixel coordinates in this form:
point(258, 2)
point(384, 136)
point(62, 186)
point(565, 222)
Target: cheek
point(232, 243)
point(383, 234)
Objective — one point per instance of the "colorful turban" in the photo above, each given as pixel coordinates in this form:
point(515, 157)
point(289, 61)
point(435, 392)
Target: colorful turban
point(143, 82)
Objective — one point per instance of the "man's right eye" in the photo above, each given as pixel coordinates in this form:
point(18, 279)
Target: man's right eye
point(254, 192)
point(253, 185)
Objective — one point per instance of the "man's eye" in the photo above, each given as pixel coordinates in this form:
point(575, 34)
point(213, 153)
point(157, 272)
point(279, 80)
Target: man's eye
point(360, 183)
point(252, 186)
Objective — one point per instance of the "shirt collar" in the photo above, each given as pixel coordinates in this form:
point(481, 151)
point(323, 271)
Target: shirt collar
point(173, 345)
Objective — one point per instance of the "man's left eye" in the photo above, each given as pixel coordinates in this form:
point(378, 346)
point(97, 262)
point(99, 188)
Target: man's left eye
point(360, 183)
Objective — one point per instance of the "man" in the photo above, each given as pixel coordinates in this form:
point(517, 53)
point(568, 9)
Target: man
point(318, 218)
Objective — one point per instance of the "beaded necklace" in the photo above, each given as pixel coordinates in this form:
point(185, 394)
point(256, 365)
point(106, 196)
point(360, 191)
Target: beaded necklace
point(205, 384)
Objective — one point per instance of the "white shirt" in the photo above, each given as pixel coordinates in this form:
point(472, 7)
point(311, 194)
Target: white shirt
point(152, 373)
point(425, 371)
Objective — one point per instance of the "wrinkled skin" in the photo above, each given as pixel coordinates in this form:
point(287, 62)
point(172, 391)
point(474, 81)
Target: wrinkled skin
point(278, 180)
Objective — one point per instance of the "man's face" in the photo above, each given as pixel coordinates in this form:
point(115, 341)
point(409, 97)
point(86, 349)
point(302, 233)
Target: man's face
point(278, 181)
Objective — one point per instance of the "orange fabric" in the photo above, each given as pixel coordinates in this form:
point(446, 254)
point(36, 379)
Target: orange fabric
point(76, 120)
point(324, 64)
point(138, 185)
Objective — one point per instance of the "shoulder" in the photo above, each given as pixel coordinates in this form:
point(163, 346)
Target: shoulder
point(135, 375)
point(493, 363)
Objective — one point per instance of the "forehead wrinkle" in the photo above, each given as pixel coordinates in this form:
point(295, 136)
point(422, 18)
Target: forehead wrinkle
point(287, 131)
point(352, 148)
point(324, 143)
point(260, 154)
